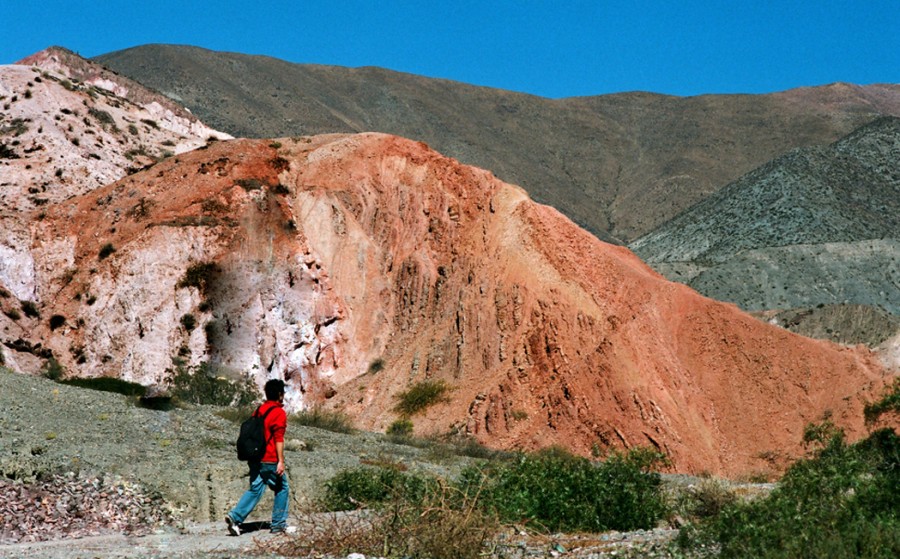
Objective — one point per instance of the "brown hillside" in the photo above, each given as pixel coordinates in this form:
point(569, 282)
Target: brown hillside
point(335, 251)
point(619, 165)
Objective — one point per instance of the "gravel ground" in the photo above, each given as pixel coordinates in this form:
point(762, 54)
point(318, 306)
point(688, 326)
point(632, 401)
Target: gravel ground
point(86, 474)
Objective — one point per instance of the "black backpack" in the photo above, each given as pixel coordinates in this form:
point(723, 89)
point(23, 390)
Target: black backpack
point(251, 443)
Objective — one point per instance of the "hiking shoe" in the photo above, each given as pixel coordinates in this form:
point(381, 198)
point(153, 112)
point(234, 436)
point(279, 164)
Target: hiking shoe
point(233, 527)
point(283, 530)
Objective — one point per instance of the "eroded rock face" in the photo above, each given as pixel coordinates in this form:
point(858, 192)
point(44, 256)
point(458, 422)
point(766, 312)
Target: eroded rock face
point(311, 259)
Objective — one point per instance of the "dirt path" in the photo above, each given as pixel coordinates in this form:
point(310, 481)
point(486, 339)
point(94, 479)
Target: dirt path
point(205, 541)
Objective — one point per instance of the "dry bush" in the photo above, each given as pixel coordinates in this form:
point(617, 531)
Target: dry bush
point(443, 524)
point(710, 497)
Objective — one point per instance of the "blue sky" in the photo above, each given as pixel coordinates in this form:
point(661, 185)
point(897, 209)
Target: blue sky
point(548, 48)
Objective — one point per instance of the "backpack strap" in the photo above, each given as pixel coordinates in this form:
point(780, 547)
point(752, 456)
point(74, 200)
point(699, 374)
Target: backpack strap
point(263, 417)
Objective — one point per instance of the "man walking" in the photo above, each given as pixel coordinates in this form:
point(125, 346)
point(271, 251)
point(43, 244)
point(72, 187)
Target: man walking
point(269, 471)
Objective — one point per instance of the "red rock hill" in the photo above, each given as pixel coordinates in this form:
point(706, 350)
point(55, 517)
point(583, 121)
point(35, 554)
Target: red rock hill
point(334, 252)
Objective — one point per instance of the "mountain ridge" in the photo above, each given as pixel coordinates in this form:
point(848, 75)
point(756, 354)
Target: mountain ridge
point(600, 160)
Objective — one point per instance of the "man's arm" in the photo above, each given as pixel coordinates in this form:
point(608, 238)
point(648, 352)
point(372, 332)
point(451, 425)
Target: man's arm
point(279, 449)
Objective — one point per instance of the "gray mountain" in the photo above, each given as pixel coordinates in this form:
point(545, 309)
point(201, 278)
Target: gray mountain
point(619, 165)
point(817, 226)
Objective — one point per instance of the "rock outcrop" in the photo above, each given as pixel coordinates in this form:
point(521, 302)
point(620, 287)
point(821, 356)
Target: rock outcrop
point(314, 259)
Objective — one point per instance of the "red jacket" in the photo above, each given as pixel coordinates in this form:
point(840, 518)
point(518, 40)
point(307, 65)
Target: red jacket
point(276, 424)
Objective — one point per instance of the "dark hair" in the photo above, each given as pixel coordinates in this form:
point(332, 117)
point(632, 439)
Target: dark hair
point(274, 389)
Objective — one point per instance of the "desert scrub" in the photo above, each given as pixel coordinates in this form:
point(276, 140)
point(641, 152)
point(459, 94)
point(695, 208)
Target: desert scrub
point(30, 309)
point(56, 321)
point(558, 491)
point(330, 420)
point(400, 429)
point(53, 370)
point(201, 275)
point(108, 384)
point(188, 322)
point(889, 403)
point(843, 501)
point(421, 396)
point(236, 414)
point(376, 366)
point(249, 184)
point(105, 251)
point(370, 487)
point(203, 385)
point(410, 516)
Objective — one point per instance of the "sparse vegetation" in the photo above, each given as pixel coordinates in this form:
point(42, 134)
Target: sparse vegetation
point(201, 275)
point(558, 491)
point(188, 322)
point(841, 501)
point(204, 385)
point(889, 403)
point(320, 418)
point(108, 384)
point(421, 396)
point(53, 370)
point(142, 208)
point(236, 414)
point(30, 309)
point(56, 321)
point(376, 366)
point(105, 251)
point(423, 516)
point(400, 429)
point(249, 184)
point(103, 117)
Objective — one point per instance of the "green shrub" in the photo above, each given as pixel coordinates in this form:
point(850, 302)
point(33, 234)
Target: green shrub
point(376, 366)
point(189, 322)
point(249, 184)
point(56, 321)
point(371, 487)
point(319, 418)
point(103, 117)
point(201, 275)
point(202, 385)
point(887, 404)
point(843, 501)
point(236, 414)
point(53, 369)
point(438, 523)
point(401, 428)
point(12, 314)
point(30, 309)
point(562, 492)
point(108, 384)
point(105, 251)
point(421, 396)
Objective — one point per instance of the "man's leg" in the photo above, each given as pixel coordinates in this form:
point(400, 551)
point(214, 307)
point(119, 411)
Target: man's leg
point(278, 484)
point(251, 497)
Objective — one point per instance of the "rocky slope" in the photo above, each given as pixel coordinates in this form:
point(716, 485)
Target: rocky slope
point(619, 165)
point(847, 192)
point(311, 259)
point(818, 226)
point(61, 137)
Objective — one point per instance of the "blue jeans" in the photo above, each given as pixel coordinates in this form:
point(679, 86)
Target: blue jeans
point(263, 475)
